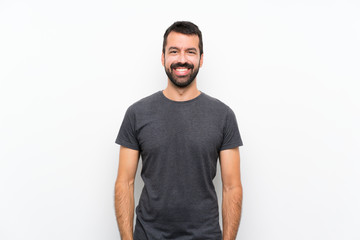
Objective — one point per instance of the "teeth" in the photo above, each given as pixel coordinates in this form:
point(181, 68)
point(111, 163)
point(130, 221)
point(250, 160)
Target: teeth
point(181, 69)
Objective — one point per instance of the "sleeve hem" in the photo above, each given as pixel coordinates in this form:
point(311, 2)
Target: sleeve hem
point(231, 145)
point(127, 144)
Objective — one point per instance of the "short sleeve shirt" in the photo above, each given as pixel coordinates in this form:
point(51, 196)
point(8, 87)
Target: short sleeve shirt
point(179, 143)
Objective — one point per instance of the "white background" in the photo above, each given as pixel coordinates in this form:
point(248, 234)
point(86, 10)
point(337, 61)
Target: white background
point(288, 69)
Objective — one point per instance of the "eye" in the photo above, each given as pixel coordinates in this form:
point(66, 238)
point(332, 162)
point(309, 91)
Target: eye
point(173, 51)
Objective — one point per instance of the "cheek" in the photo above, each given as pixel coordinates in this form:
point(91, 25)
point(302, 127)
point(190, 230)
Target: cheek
point(195, 60)
point(168, 61)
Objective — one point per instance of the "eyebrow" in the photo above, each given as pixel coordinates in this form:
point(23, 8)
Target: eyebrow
point(188, 49)
point(192, 49)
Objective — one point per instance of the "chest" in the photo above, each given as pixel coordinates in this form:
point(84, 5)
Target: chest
point(181, 130)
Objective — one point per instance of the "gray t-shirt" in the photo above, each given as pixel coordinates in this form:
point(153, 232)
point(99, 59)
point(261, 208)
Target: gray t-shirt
point(179, 144)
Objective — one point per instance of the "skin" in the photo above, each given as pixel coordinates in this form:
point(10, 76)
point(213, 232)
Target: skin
point(184, 46)
point(124, 191)
point(232, 192)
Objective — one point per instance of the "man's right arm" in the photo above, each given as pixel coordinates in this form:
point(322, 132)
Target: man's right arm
point(124, 191)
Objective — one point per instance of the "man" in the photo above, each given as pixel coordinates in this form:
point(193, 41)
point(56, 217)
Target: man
point(180, 133)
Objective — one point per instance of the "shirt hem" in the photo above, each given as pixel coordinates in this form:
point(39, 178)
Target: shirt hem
point(231, 145)
point(126, 144)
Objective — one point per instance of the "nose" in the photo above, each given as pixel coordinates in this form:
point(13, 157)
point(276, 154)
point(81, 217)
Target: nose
point(182, 57)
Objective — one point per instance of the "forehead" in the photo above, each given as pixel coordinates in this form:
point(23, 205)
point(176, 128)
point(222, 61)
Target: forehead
point(182, 41)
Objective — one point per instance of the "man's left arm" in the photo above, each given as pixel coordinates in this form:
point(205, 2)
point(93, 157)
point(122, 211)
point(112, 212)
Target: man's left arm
point(231, 192)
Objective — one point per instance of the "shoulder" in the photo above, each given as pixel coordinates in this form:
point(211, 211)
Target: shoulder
point(144, 103)
point(216, 104)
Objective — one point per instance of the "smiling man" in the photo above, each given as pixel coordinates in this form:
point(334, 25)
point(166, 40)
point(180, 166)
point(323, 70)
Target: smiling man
point(180, 133)
point(182, 59)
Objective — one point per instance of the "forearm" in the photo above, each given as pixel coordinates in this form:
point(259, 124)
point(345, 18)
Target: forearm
point(231, 211)
point(124, 208)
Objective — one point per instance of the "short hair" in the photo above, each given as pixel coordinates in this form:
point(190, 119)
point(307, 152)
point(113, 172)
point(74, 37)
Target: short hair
point(184, 27)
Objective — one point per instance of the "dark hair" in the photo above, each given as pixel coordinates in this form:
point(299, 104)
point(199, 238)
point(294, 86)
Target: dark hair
point(184, 27)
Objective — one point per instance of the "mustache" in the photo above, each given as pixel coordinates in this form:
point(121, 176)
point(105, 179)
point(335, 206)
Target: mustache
point(185, 65)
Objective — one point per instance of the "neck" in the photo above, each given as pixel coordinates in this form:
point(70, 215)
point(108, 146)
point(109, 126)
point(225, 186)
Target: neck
point(181, 94)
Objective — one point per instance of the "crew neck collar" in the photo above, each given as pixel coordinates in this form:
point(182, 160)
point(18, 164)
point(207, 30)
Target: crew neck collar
point(180, 102)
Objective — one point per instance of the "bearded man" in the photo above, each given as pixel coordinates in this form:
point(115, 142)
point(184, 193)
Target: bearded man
point(180, 133)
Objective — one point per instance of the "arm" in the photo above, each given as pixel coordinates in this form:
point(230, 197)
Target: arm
point(124, 191)
point(231, 193)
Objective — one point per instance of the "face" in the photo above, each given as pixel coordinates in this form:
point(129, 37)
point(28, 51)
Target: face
point(182, 58)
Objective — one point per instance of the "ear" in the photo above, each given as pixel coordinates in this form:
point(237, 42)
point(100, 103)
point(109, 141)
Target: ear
point(201, 59)
point(163, 59)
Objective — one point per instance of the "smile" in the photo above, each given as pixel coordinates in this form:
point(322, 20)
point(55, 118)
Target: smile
point(182, 71)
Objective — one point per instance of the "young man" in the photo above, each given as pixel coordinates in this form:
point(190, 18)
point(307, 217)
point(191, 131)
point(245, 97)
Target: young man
point(180, 133)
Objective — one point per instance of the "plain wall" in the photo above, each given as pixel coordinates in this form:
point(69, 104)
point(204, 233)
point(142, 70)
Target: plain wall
point(289, 69)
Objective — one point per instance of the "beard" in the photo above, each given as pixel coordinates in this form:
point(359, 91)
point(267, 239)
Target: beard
point(182, 81)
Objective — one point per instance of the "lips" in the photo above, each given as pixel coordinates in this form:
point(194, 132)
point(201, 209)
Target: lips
point(182, 71)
